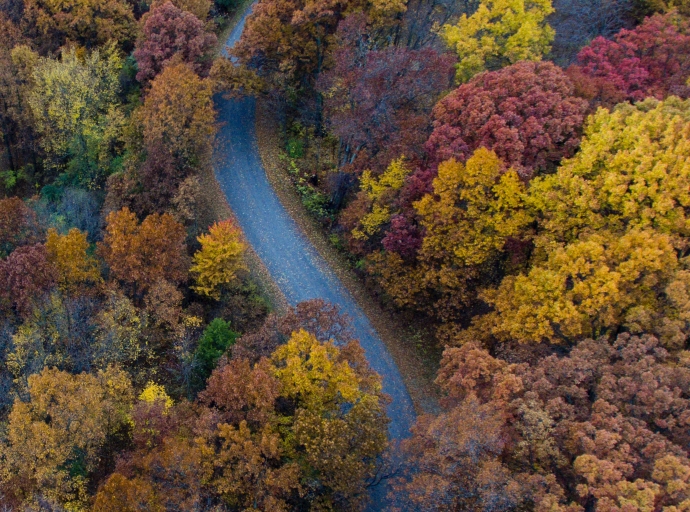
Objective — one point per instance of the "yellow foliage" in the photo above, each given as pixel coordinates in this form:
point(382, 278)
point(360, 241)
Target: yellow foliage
point(219, 259)
point(312, 371)
point(380, 191)
point(154, 392)
point(585, 288)
point(56, 458)
point(633, 169)
point(473, 209)
point(69, 255)
point(499, 33)
point(77, 111)
point(86, 22)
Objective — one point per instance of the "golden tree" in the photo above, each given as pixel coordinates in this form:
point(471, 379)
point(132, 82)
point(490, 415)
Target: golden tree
point(56, 438)
point(68, 253)
point(219, 260)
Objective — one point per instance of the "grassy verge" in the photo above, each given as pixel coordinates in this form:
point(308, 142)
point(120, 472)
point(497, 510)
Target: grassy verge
point(417, 365)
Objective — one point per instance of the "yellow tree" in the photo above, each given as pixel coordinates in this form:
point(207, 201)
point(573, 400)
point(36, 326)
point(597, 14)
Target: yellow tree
point(68, 253)
point(77, 112)
point(473, 210)
point(55, 439)
point(499, 33)
point(633, 169)
point(586, 289)
point(380, 192)
point(220, 258)
point(339, 427)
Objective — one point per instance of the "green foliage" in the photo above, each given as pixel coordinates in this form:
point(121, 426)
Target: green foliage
point(314, 201)
point(217, 338)
point(295, 148)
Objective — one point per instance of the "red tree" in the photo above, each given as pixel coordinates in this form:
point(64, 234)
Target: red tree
point(526, 113)
point(378, 102)
point(170, 32)
point(24, 275)
point(652, 60)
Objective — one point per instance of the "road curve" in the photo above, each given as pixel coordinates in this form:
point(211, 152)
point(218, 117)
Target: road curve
point(298, 270)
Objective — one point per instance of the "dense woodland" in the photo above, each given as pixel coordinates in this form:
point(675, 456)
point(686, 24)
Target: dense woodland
point(512, 177)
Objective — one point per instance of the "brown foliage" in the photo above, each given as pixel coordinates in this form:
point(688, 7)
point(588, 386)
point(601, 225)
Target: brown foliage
point(608, 422)
point(316, 316)
point(142, 254)
point(18, 225)
point(178, 115)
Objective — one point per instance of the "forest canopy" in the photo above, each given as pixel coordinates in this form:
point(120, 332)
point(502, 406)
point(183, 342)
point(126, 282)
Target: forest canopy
point(509, 180)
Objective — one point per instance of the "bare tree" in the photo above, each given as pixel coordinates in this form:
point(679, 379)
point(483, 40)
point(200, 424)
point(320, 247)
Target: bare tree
point(577, 22)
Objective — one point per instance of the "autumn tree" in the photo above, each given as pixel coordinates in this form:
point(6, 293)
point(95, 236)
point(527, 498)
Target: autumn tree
point(290, 39)
point(57, 436)
point(16, 125)
point(526, 113)
point(68, 253)
point(219, 260)
point(140, 254)
point(78, 333)
point(590, 287)
point(611, 231)
point(647, 7)
point(199, 8)
point(378, 102)
point(316, 316)
point(302, 429)
point(178, 114)
point(25, 275)
point(512, 433)
point(622, 176)
point(335, 428)
point(651, 60)
point(467, 219)
point(88, 23)
point(171, 33)
point(18, 225)
point(499, 33)
point(373, 207)
point(76, 107)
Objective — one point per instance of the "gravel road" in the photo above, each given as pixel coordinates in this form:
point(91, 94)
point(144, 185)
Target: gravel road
point(298, 270)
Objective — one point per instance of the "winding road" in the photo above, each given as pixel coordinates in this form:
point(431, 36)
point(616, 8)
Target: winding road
point(296, 267)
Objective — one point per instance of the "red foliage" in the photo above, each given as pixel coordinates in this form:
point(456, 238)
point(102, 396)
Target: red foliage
point(169, 33)
point(378, 102)
point(24, 275)
point(18, 225)
point(651, 60)
point(526, 113)
point(403, 237)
